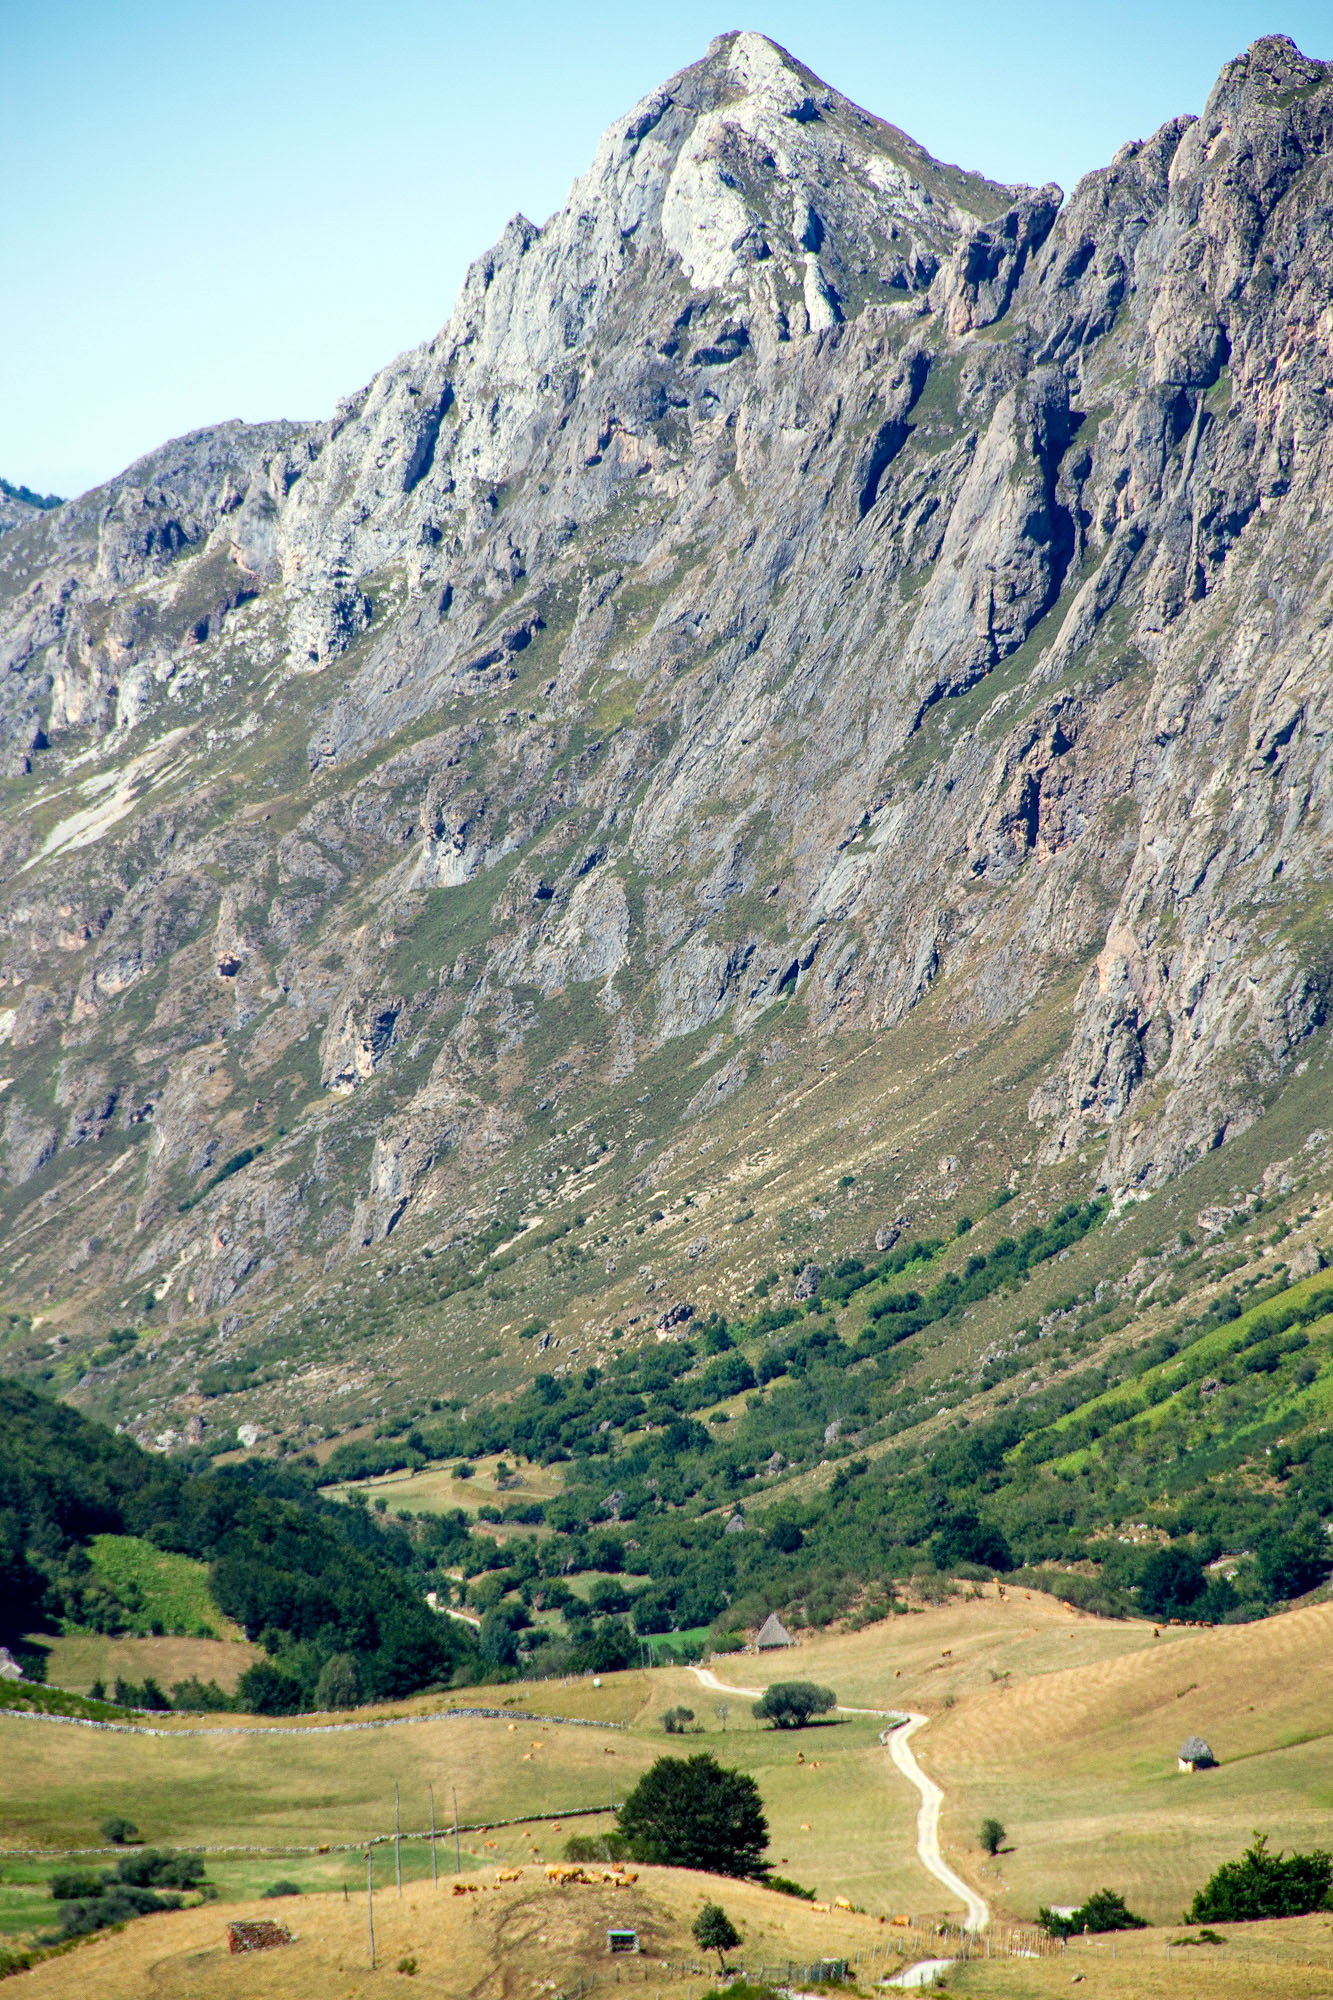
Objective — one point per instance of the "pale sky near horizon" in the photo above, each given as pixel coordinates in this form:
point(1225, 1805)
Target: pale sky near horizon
point(243, 210)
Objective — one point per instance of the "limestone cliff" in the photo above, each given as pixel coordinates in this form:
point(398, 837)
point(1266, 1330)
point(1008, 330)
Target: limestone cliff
point(801, 585)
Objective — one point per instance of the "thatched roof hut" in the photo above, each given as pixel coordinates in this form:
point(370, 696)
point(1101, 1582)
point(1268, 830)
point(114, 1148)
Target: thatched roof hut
point(773, 1633)
point(1195, 1755)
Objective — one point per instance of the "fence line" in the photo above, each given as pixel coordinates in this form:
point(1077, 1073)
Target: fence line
point(279, 1848)
point(312, 1728)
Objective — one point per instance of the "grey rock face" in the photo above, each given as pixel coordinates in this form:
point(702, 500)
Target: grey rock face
point(799, 571)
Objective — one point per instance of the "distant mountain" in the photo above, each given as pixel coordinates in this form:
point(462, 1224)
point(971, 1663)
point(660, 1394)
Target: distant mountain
point(806, 705)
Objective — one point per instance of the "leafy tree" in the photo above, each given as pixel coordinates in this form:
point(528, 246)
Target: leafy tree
point(339, 1684)
point(1104, 1911)
point(714, 1931)
point(966, 1539)
point(499, 1643)
point(675, 1721)
point(991, 1835)
point(691, 1812)
point(611, 1648)
point(118, 1830)
point(1294, 1561)
point(790, 1704)
point(284, 1888)
point(1261, 1884)
point(1170, 1583)
point(264, 1689)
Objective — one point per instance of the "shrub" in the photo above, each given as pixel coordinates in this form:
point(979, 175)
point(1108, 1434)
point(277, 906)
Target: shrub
point(675, 1721)
point(786, 1887)
point(991, 1835)
point(206, 1697)
point(1261, 1884)
point(160, 1868)
point(115, 1906)
point(596, 1847)
point(75, 1884)
point(690, 1812)
point(118, 1831)
point(790, 1704)
point(283, 1889)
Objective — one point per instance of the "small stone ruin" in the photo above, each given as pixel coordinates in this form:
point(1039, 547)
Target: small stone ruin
point(261, 1936)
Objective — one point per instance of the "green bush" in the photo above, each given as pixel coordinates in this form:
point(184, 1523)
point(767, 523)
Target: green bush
point(786, 1887)
point(1261, 1884)
point(597, 1847)
point(1104, 1911)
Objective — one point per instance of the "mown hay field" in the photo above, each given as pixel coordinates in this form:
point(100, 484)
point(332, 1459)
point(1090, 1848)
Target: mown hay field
point(526, 1937)
point(1066, 1729)
point(504, 1940)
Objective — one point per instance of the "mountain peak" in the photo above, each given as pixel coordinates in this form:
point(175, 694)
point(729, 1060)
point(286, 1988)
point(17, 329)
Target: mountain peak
point(790, 614)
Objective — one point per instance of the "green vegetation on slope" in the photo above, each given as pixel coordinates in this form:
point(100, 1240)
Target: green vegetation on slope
point(312, 1582)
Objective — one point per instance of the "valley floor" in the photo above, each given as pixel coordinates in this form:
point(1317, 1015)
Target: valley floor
point(1063, 1726)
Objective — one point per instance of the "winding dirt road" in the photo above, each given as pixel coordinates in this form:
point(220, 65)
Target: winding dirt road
point(895, 1739)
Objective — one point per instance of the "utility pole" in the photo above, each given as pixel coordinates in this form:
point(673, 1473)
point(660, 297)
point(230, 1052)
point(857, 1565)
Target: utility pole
point(434, 1864)
point(458, 1865)
point(397, 1850)
point(370, 1909)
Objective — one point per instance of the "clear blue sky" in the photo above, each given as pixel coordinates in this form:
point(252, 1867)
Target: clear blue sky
point(211, 210)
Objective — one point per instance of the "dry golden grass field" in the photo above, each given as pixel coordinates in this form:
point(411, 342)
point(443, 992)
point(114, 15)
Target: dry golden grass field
point(78, 1659)
point(503, 1941)
point(1063, 1726)
point(436, 1490)
point(524, 1938)
point(1066, 1728)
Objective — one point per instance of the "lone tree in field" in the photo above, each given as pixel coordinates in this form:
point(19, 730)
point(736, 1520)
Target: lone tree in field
point(714, 1931)
point(991, 1835)
point(676, 1721)
point(691, 1812)
point(790, 1704)
point(118, 1830)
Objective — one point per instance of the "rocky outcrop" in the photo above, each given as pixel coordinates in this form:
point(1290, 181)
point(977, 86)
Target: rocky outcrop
point(798, 573)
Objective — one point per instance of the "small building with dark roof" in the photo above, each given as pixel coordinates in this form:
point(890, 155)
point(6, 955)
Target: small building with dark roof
point(773, 1633)
point(1195, 1755)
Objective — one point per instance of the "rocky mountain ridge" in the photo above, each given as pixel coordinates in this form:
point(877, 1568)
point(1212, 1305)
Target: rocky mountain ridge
point(804, 589)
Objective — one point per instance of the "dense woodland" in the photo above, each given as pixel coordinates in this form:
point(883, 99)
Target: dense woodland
point(313, 1582)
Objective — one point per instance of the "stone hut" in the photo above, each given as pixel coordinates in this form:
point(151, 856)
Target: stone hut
point(1195, 1755)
